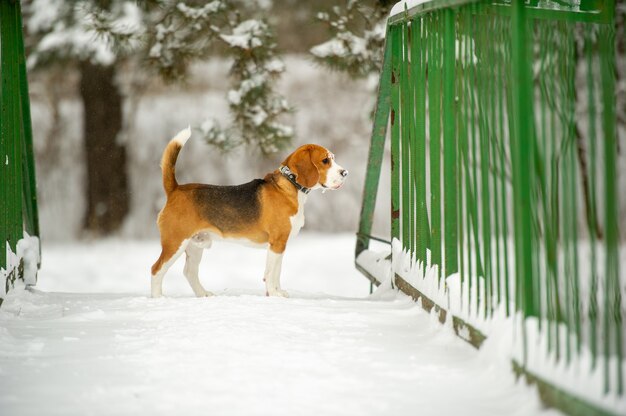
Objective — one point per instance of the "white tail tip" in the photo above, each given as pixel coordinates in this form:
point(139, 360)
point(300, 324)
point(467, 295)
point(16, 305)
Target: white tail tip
point(182, 136)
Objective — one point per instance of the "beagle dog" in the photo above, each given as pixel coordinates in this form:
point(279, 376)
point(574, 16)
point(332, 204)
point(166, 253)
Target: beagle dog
point(264, 213)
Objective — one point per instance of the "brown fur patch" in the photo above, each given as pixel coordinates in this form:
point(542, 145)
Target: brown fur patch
point(307, 163)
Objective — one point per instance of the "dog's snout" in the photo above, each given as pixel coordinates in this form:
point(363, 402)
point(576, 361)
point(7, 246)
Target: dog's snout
point(343, 172)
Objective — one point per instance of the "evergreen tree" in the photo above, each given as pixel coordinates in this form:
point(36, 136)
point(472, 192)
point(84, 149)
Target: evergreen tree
point(357, 38)
point(165, 36)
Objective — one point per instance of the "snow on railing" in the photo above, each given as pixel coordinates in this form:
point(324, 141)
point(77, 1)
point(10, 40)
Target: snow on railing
point(21, 266)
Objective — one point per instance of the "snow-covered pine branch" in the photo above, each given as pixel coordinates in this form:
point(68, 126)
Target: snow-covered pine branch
point(357, 38)
point(167, 36)
point(256, 106)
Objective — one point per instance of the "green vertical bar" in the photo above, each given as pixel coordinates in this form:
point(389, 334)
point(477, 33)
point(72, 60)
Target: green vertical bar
point(411, 71)
point(11, 155)
point(502, 109)
point(30, 188)
point(484, 138)
point(410, 132)
point(565, 212)
point(572, 98)
point(473, 194)
point(474, 126)
point(419, 161)
point(591, 105)
point(18, 210)
point(522, 145)
point(395, 129)
point(434, 107)
point(406, 107)
point(449, 146)
point(612, 290)
point(482, 124)
point(464, 199)
point(565, 170)
point(413, 110)
point(552, 244)
point(376, 150)
point(465, 124)
point(543, 139)
point(529, 189)
point(494, 155)
point(4, 138)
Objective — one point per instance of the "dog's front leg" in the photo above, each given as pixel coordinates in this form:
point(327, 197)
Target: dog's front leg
point(272, 274)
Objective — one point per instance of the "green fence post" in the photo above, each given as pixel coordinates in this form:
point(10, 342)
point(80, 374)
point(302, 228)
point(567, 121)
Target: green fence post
point(612, 290)
point(434, 105)
point(449, 146)
point(11, 151)
point(396, 54)
point(376, 151)
point(406, 108)
point(31, 217)
point(18, 207)
point(4, 177)
point(419, 152)
point(522, 149)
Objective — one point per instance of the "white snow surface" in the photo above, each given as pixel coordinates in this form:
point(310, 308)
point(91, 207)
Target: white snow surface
point(580, 378)
point(90, 341)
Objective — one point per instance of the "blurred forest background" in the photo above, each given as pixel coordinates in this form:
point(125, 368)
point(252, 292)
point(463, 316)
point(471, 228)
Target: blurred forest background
point(104, 104)
point(111, 81)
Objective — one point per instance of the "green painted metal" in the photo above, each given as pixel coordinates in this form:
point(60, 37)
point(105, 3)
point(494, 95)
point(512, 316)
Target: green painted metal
point(449, 146)
point(405, 138)
point(18, 201)
point(434, 118)
point(31, 217)
point(10, 150)
point(376, 153)
point(522, 148)
point(419, 150)
point(396, 56)
point(504, 169)
point(613, 302)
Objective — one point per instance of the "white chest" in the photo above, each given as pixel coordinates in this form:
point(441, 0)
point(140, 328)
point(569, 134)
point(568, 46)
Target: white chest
point(297, 220)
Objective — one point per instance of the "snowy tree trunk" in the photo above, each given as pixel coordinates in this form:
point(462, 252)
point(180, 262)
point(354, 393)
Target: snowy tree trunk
point(107, 179)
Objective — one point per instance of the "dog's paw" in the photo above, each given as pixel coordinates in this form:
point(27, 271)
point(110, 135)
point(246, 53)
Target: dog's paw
point(205, 294)
point(278, 292)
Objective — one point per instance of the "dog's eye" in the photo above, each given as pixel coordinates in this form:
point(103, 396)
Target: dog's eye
point(325, 161)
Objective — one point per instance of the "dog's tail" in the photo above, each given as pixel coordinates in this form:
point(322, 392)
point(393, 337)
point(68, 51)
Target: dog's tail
point(168, 161)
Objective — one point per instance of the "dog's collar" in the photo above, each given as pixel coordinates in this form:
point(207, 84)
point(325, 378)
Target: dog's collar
point(291, 177)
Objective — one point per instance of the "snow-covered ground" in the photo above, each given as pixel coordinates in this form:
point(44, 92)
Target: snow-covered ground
point(88, 341)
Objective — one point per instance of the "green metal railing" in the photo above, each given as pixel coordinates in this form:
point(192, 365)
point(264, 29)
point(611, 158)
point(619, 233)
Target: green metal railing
point(18, 198)
point(504, 177)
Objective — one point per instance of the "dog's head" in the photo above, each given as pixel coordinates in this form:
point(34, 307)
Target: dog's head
point(315, 167)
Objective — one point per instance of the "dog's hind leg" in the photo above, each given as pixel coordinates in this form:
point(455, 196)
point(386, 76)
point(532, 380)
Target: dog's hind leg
point(194, 255)
point(169, 253)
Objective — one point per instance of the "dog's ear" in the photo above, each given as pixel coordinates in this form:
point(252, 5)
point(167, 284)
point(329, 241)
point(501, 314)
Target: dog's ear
point(301, 163)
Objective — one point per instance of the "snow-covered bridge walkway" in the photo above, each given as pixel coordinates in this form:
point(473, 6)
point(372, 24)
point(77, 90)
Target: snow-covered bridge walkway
point(107, 349)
